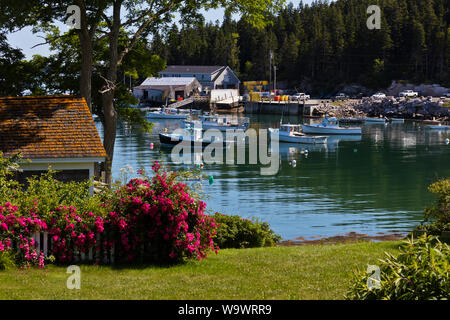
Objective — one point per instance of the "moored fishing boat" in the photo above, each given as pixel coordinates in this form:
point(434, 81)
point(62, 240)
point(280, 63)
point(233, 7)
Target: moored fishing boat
point(221, 123)
point(438, 127)
point(291, 133)
point(193, 138)
point(351, 120)
point(329, 126)
point(165, 115)
point(396, 120)
point(375, 120)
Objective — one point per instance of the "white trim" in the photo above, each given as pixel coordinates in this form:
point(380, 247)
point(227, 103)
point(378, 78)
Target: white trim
point(63, 160)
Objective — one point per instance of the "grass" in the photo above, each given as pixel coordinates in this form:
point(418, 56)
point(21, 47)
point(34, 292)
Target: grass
point(308, 272)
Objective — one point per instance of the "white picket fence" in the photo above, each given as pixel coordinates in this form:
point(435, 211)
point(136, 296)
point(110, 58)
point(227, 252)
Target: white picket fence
point(44, 243)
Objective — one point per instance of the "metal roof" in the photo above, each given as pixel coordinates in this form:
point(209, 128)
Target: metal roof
point(193, 69)
point(176, 81)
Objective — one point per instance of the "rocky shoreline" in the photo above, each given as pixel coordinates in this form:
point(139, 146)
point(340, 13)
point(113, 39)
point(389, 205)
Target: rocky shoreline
point(343, 238)
point(422, 108)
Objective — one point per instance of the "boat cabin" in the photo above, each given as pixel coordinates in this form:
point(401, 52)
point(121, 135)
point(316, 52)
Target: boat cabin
point(289, 128)
point(328, 122)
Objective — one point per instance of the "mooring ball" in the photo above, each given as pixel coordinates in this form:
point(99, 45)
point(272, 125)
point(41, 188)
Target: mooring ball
point(294, 163)
point(151, 146)
point(211, 180)
point(355, 150)
point(447, 141)
point(165, 129)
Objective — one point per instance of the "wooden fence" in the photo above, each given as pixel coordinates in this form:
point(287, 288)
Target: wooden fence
point(44, 244)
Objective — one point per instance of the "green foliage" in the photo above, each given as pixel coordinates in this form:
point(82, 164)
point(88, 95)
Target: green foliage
point(236, 232)
point(135, 116)
point(324, 43)
point(439, 212)
point(6, 260)
point(421, 271)
point(44, 193)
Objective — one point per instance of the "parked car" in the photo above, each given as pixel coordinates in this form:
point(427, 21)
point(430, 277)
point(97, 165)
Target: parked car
point(300, 96)
point(379, 95)
point(340, 96)
point(409, 93)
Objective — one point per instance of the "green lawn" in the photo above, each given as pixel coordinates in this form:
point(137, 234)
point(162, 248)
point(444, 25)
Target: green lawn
point(308, 272)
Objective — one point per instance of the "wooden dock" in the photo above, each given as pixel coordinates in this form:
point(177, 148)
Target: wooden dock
point(282, 107)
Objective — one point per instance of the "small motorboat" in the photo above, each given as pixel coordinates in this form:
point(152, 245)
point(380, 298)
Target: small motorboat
point(222, 123)
point(192, 138)
point(329, 126)
point(375, 120)
point(162, 114)
point(291, 133)
point(438, 127)
point(432, 122)
point(396, 120)
point(351, 120)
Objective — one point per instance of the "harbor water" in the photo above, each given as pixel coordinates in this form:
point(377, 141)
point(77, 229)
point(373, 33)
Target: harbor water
point(374, 183)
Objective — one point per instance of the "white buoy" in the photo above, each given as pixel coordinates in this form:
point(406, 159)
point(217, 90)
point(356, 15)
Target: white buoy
point(306, 151)
point(294, 163)
point(447, 141)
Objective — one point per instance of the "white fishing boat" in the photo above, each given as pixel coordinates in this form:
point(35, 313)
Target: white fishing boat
point(397, 120)
point(193, 138)
point(217, 122)
point(162, 114)
point(438, 127)
point(375, 120)
point(329, 126)
point(292, 133)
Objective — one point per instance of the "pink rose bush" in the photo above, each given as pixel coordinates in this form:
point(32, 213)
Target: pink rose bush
point(158, 220)
point(153, 220)
point(17, 231)
point(73, 233)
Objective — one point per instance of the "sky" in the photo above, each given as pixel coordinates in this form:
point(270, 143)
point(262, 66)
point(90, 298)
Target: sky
point(26, 40)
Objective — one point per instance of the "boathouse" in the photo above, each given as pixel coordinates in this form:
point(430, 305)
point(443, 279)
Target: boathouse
point(210, 77)
point(56, 131)
point(158, 89)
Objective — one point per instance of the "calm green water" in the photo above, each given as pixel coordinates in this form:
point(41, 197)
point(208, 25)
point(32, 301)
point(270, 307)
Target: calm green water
point(369, 184)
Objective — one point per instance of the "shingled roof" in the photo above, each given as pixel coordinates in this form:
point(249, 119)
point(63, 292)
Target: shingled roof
point(48, 127)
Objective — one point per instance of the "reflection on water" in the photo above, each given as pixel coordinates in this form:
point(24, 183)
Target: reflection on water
point(371, 183)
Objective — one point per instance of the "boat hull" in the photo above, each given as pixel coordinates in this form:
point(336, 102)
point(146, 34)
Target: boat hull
point(157, 115)
point(375, 120)
point(275, 135)
point(317, 129)
point(206, 126)
point(438, 127)
point(397, 120)
point(173, 140)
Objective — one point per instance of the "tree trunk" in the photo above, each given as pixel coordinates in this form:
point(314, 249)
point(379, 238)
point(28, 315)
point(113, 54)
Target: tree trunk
point(86, 67)
point(110, 123)
point(109, 132)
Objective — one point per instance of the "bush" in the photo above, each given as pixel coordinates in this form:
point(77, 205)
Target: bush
point(157, 220)
point(6, 260)
point(236, 232)
point(15, 230)
point(420, 271)
point(437, 216)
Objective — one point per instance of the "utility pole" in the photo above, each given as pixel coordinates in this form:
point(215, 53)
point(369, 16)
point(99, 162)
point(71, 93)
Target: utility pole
point(275, 78)
point(270, 71)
